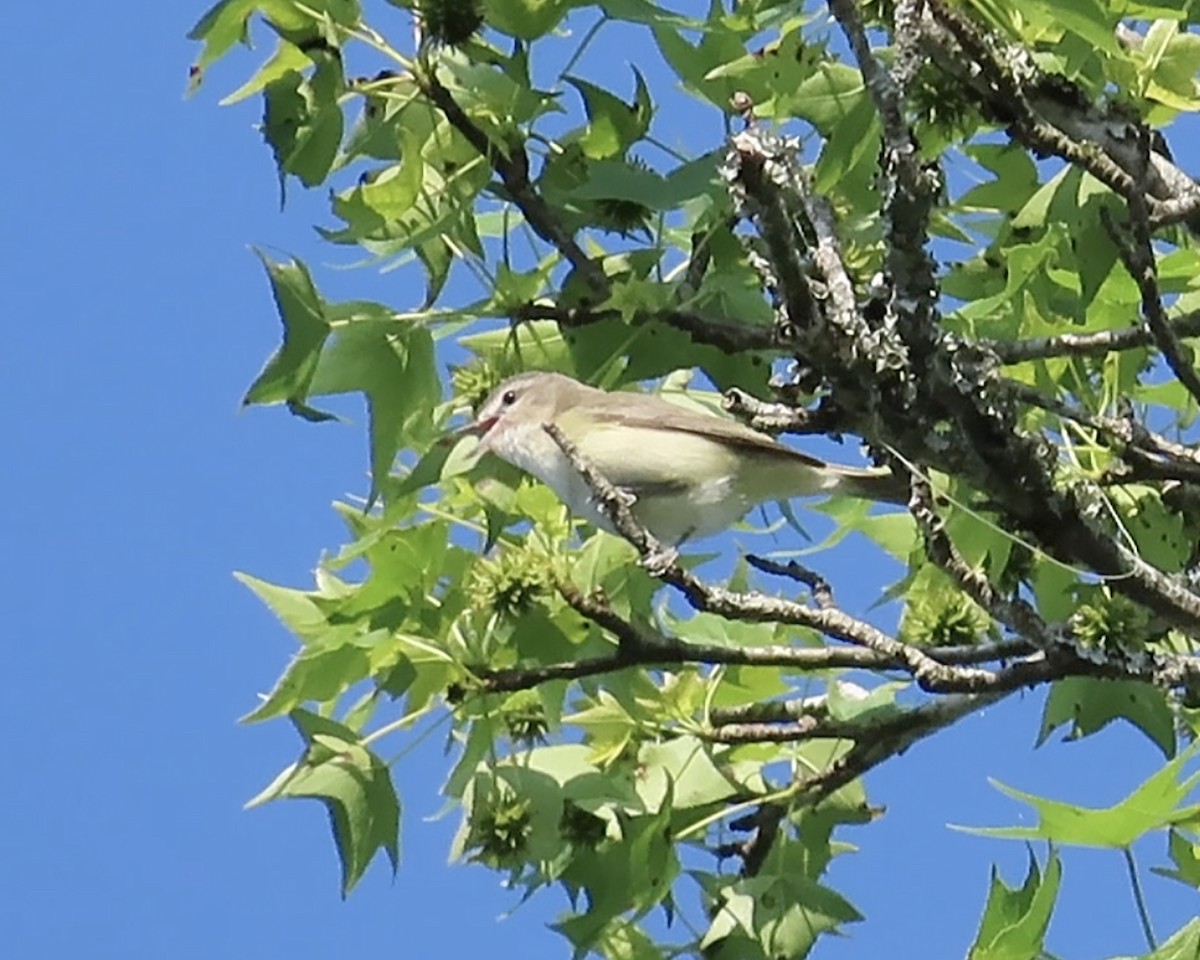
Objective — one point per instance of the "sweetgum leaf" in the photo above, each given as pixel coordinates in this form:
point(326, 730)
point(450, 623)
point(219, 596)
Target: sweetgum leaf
point(1015, 919)
point(353, 785)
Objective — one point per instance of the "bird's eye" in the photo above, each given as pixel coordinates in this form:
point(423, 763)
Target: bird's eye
point(509, 398)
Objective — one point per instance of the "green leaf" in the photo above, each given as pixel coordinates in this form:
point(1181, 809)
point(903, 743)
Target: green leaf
point(382, 199)
point(1014, 182)
point(613, 125)
point(696, 65)
point(303, 122)
point(224, 24)
point(634, 874)
point(850, 703)
point(493, 97)
point(288, 374)
point(1159, 532)
point(1089, 704)
point(1036, 210)
point(683, 766)
point(296, 609)
point(830, 95)
point(1084, 18)
point(1015, 920)
point(1155, 805)
point(392, 365)
point(354, 786)
point(287, 58)
point(852, 147)
point(1054, 586)
point(621, 940)
point(781, 914)
point(608, 727)
point(772, 75)
point(1184, 944)
point(568, 764)
point(525, 19)
point(319, 674)
point(1173, 81)
point(644, 12)
point(615, 180)
point(227, 22)
point(1185, 854)
point(405, 565)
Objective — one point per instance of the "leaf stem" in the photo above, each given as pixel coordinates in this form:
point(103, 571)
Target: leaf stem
point(1139, 898)
point(417, 740)
point(584, 43)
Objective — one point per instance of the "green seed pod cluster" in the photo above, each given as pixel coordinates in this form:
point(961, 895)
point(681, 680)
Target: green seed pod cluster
point(450, 22)
point(511, 582)
point(1112, 622)
point(944, 620)
point(581, 828)
point(625, 217)
point(525, 718)
point(500, 833)
point(474, 381)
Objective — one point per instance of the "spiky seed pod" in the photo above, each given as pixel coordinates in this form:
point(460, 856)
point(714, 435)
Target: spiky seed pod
point(500, 833)
point(525, 718)
point(450, 22)
point(512, 582)
point(944, 621)
point(1112, 623)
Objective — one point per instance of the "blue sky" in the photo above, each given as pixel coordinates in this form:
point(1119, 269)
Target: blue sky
point(132, 488)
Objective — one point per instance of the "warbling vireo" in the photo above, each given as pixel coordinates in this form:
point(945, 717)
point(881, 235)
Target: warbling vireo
point(691, 474)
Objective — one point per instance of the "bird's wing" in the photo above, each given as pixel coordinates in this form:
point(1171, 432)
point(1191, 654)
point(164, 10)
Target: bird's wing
point(609, 446)
point(641, 410)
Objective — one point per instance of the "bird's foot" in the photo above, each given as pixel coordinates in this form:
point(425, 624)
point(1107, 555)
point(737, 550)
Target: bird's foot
point(660, 560)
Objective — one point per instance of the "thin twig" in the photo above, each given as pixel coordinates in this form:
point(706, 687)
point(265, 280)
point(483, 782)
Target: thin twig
point(1139, 898)
point(512, 166)
point(1087, 344)
point(1135, 442)
point(726, 337)
point(766, 828)
point(822, 592)
point(1139, 260)
point(1015, 613)
point(920, 722)
point(776, 418)
point(912, 185)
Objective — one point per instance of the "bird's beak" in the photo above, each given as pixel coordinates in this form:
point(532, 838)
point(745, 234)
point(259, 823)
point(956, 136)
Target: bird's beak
point(476, 428)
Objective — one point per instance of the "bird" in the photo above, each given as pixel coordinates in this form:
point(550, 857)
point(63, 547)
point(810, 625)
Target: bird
point(690, 474)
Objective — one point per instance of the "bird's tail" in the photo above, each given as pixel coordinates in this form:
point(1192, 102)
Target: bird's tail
point(788, 473)
point(881, 485)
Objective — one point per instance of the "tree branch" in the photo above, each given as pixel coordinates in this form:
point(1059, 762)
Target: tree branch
point(1134, 442)
point(1050, 115)
point(822, 592)
point(1086, 344)
point(724, 336)
point(911, 187)
point(1015, 613)
point(1139, 260)
point(511, 165)
point(758, 162)
point(929, 673)
point(637, 647)
point(920, 722)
